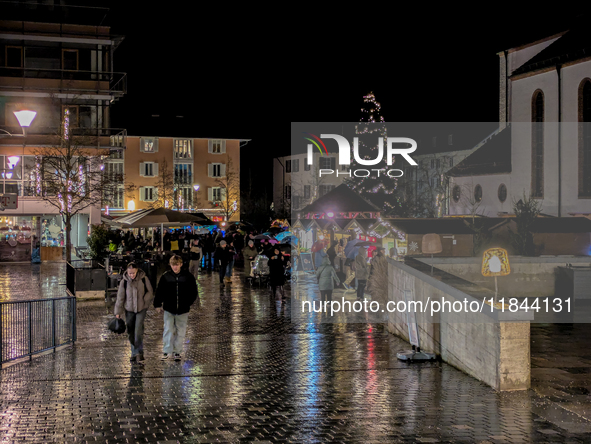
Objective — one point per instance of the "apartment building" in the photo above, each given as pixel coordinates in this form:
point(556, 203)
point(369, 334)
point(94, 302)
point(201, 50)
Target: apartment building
point(56, 59)
point(185, 174)
point(297, 184)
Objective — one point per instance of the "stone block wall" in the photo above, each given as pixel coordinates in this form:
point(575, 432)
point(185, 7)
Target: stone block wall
point(497, 353)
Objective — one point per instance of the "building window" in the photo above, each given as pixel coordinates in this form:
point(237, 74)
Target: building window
point(502, 193)
point(296, 202)
point(306, 166)
point(537, 145)
point(288, 166)
point(438, 163)
point(217, 170)
point(70, 59)
point(432, 163)
point(288, 192)
point(118, 198)
point(324, 189)
point(477, 193)
point(148, 194)
point(149, 145)
point(307, 193)
point(457, 193)
point(217, 146)
point(183, 173)
point(451, 161)
point(14, 57)
point(327, 163)
point(148, 169)
point(184, 198)
point(295, 166)
point(183, 149)
point(584, 166)
point(215, 194)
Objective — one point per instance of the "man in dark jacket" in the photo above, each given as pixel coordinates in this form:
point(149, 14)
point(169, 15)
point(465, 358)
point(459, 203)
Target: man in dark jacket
point(176, 292)
point(222, 257)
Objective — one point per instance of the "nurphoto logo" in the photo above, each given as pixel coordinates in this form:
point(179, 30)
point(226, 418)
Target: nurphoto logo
point(345, 155)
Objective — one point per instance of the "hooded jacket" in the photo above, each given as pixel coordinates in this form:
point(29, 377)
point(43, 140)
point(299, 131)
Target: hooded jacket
point(176, 292)
point(137, 297)
point(361, 265)
point(326, 275)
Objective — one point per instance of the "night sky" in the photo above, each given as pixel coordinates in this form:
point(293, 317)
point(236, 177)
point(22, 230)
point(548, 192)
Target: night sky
point(231, 75)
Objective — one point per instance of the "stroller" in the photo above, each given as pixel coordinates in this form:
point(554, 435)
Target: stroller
point(259, 270)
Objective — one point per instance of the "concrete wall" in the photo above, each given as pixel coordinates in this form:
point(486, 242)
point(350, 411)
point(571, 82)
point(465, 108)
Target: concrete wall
point(497, 353)
point(530, 276)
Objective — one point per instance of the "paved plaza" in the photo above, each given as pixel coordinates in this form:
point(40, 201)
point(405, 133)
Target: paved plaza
point(251, 375)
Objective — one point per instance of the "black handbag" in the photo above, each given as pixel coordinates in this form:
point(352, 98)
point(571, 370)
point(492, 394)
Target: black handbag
point(116, 325)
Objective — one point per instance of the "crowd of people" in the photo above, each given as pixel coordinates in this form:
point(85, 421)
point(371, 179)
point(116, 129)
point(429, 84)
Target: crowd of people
point(334, 269)
point(177, 289)
point(216, 252)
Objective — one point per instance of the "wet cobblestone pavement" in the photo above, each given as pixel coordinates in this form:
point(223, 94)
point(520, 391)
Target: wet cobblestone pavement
point(251, 375)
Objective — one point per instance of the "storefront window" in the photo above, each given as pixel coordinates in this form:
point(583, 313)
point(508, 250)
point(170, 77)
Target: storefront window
point(52, 231)
point(17, 235)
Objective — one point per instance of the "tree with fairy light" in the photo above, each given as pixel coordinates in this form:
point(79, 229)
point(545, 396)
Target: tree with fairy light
point(377, 186)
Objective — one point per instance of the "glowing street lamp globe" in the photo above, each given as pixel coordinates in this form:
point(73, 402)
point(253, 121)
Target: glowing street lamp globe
point(25, 117)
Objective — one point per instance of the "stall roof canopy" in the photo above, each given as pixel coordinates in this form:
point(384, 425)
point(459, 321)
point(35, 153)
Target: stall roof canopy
point(437, 225)
point(342, 199)
point(157, 217)
point(548, 224)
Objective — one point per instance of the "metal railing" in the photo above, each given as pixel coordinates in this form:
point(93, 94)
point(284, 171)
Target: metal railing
point(31, 327)
point(106, 82)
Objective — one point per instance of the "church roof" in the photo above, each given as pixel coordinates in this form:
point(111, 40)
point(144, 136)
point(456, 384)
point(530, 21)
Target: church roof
point(575, 44)
point(341, 199)
point(494, 157)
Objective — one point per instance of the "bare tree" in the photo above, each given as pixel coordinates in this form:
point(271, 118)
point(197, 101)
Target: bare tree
point(69, 176)
point(165, 187)
point(423, 190)
point(229, 186)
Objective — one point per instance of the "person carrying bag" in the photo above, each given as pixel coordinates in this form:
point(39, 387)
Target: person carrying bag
point(134, 296)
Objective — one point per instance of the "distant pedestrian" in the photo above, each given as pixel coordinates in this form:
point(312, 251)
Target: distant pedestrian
point(277, 271)
point(249, 253)
point(176, 292)
point(134, 296)
point(231, 259)
point(221, 257)
point(361, 272)
point(327, 279)
point(196, 254)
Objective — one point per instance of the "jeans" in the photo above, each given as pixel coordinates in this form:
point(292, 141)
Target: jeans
point(135, 331)
point(175, 328)
point(208, 260)
point(229, 268)
point(361, 288)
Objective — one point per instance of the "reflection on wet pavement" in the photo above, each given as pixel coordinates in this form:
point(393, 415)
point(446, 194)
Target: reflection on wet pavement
point(251, 375)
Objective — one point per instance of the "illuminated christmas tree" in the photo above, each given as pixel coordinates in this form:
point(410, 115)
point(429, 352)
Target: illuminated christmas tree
point(376, 186)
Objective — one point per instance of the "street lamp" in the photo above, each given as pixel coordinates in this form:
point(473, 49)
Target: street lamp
point(25, 117)
point(195, 196)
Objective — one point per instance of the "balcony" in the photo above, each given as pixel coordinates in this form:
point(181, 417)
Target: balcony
point(52, 81)
point(101, 138)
